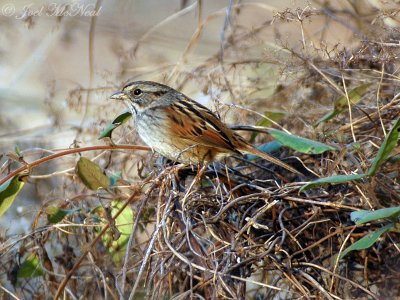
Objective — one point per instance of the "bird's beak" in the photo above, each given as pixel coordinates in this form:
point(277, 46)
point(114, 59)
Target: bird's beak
point(119, 96)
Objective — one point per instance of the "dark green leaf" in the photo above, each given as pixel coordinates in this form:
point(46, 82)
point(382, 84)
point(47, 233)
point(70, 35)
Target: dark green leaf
point(341, 104)
point(368, 240)
point(267, 121)
point(56, 214)
point(30, 267)
point(107, 131)
point(364, 216)
point(327, 117)
point(267, 148)
point(299, 143)
point(91, 174)
point(118, 121)
point(332, 180)
point(9, 190)
point(386, 148)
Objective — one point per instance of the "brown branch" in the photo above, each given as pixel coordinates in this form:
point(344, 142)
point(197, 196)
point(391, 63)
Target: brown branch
point(70, 151)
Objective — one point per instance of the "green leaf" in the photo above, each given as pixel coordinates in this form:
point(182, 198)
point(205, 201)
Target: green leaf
point(332, 180)
point(91, 174)
point(299, 143)
point(368, 240)
point(118, 121)
point(117, 247)
point(267, 121)
point(30, 267)
point(267, 148)
point(387, 147)
point(9, 190)
point(364, 216)
point(56, 214)
point(341, 104)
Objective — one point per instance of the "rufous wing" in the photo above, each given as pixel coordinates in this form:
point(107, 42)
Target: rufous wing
point(196, 123)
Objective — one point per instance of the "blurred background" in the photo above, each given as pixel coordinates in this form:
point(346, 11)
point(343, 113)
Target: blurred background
point(45, 55)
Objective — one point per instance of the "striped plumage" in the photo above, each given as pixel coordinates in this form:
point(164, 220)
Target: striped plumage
point(181, 129)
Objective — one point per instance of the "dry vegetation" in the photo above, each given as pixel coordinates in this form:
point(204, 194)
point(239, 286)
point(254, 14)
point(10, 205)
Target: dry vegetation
point(244, 231)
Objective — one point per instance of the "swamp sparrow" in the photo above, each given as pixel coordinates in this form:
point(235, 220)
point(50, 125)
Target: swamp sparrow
point(181, 129)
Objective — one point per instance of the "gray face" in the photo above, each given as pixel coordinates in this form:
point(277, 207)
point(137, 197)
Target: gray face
point(141, 95)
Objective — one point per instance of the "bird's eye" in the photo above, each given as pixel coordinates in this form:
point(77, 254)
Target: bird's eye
point(137, 92)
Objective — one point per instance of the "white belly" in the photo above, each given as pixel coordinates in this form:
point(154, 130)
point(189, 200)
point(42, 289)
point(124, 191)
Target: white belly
point(155, 136)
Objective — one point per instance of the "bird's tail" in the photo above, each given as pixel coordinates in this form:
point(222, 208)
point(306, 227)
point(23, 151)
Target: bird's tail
point(251, 150)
